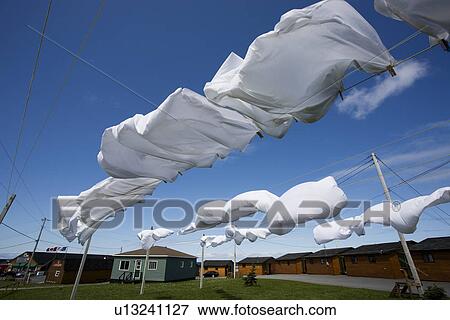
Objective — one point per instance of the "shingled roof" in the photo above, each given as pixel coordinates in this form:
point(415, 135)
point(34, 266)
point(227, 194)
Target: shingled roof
point(293, 256)
point(440, 243)
point(326, 253)
point(256, 260)
point(156, 251)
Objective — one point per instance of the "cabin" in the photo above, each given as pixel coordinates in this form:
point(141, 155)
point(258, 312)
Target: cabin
point(63, 270)
point(432, 258)
point(41, 261)
point(164, 264)
point(223, 267)
point(291, 263)
point(381, 260)
point(4, 265)
point(261, 264)
point(326, 261)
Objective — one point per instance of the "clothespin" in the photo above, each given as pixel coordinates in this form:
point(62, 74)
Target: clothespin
point(341, 95)
point(259, 133)
point(391, 70)
point(179, 172)
point(444, 45)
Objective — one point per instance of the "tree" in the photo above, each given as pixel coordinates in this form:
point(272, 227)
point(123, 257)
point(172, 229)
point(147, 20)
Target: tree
point(250, 278)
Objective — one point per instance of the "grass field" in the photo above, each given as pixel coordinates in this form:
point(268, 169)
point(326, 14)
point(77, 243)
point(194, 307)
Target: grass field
point(224, 289)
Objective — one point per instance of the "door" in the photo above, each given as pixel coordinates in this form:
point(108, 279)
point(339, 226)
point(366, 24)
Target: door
point(342, 265)
point(304, 266)
point(137, 269)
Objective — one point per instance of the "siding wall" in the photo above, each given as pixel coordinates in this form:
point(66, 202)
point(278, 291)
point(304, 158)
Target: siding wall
point(68, 277)
point(385, 266)
point(260, 269)
point(151, 275)
point(221, 270)
point(180, 269)
point(316, 267)
point(439, 270)
point(286, 267)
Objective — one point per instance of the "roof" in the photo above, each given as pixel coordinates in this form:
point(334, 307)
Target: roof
point(42, 258)
point(378, 248)
point(440, 243)
point(218, 263)
point(256, 260)
point(293, 256)
point(156, 251)
point(326, 253)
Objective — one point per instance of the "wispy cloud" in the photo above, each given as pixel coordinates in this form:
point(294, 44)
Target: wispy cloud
point(360, 102)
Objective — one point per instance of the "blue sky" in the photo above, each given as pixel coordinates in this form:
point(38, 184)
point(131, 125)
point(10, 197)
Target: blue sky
point(155, 47)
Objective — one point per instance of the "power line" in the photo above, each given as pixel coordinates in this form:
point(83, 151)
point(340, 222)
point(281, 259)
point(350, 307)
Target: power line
point(17, 231)
point(28, 96)
point(17, 245)
point(64, 83)
point(389, 143)
point(409, 184)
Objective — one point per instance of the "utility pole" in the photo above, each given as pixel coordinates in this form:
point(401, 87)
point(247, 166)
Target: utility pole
point(26, 276)
point(409, 258)
point(6, 207)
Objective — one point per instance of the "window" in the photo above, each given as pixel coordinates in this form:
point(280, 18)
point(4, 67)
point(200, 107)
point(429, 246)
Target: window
point(152, 265)
point(217, 268)
point(181, 264)
point(354, 259)
point(137, 265)
point(192, 264)
point(288, 263)
point(57, 273)
point(124, 265)
point(372, 259)
point(428, 258)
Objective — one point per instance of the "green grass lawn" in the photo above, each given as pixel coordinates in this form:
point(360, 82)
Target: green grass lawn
point(213, 289)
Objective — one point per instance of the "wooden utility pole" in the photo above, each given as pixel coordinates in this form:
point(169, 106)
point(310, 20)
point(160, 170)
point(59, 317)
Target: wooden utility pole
point(409, 258)
point(26, 276)
point(234, 261)
point(6, 207)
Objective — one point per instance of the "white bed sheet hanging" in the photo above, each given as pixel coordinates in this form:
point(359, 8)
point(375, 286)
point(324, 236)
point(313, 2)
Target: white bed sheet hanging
point(295, 71)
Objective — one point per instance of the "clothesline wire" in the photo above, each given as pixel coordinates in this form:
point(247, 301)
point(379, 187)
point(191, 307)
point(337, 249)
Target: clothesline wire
point(28, 97)
point(354, 168)
point(63, 84)
point(409, 184)
point(17, 231)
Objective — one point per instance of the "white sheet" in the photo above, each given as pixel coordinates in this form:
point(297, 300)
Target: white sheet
point(149, 237)
point(295, 71)
point(429, 16)
point(403, 218)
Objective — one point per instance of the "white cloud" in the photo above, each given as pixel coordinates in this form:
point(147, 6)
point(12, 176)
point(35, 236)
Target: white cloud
point(360, 102)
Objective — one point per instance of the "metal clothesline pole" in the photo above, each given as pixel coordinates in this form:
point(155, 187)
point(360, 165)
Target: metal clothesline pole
point(409, 258)
point(144, 272)
point(73, 295)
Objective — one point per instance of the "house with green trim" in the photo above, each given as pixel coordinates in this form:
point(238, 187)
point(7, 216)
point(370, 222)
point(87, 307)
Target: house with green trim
point(164, 264)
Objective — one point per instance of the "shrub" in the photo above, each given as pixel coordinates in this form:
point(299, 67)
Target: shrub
point(434, 293)
point(250, 278)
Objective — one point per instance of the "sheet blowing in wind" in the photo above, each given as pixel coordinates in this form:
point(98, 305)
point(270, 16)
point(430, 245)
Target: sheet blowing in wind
point(294, 72)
